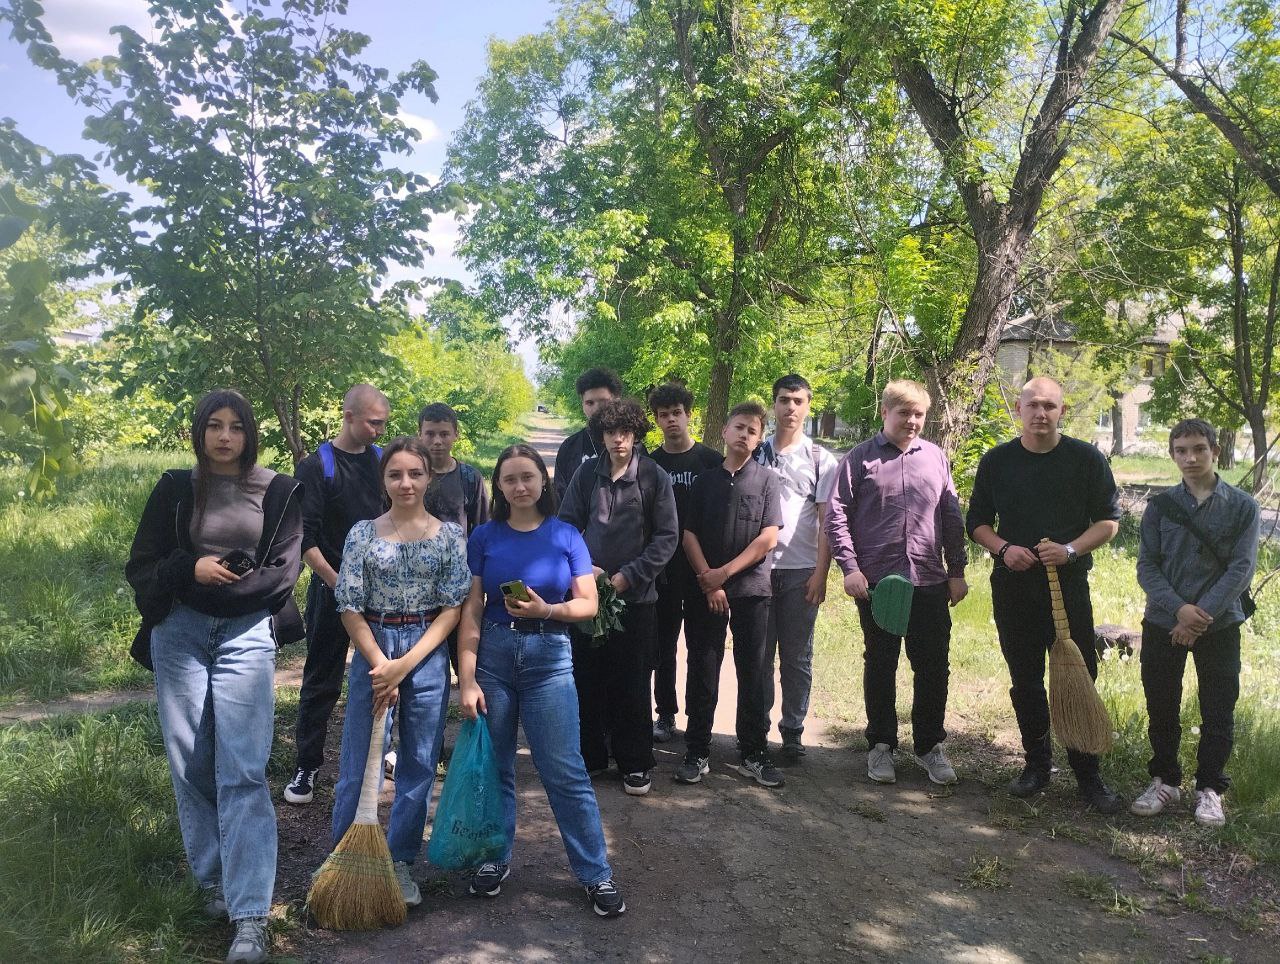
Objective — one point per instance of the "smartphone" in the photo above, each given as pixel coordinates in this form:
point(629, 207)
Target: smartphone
point(237, 561)
point(515, 589)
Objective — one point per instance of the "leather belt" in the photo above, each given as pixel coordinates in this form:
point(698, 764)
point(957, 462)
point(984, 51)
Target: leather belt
point(400, 619)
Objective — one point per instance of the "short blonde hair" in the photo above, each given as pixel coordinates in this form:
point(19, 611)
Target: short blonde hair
point(904, 390)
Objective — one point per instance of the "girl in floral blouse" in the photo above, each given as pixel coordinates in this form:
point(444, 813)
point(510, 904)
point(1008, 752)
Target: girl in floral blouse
point(403, 579)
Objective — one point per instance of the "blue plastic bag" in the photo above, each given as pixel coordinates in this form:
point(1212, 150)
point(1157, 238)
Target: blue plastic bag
point(469, 828)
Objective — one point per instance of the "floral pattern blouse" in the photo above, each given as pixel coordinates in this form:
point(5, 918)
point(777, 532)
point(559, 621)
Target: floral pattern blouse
point(379, 575)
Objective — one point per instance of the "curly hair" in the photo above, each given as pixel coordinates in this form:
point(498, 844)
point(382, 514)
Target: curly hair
point(599, 378)
point(670, 395)
point(623, 413)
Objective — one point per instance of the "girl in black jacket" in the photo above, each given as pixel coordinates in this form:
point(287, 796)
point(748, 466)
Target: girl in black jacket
point(216, 555)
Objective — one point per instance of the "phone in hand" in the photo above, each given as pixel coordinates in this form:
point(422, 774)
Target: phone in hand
point(515, 589)
point(237, 561)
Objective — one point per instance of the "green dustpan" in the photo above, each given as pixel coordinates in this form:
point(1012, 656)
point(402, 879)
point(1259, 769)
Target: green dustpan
point(891, 604)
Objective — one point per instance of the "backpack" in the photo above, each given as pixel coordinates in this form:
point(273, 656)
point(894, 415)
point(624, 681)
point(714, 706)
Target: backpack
point(325, 451)
point(766, 456)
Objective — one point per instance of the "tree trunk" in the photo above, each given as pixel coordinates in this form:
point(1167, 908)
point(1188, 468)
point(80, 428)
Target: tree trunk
point(958, 382)
point(1117, 426)
point(1258, 432)
point(1227, 457)
point(289, 428)
point(717, 410)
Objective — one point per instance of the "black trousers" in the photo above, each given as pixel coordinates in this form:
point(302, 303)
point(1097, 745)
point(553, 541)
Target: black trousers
point(676, 594)
point(704, 638)
point(613, 693)
point(322, 674)
point(1217, 659)
point(928, 642)
point(1024, 620)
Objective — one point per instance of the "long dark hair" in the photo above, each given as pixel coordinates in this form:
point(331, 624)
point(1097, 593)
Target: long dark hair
point(501, 508)
point(215, 401)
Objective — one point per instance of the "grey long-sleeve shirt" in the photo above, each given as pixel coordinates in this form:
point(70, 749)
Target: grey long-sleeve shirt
point(610, 514)
point(1175, 569)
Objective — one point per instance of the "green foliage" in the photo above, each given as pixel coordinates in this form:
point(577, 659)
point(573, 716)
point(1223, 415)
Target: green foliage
point(271, 220)
point(33, 383)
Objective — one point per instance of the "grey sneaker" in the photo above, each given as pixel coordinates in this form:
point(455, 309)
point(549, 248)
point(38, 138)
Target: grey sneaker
point(664, 729)
point(250, 944)
point(408, 887)
point(1155, 798)
point(880, 764)
point(692, 769)
point(759, 767)
point(938, 767)
point(215, 904)
point(1209, 812)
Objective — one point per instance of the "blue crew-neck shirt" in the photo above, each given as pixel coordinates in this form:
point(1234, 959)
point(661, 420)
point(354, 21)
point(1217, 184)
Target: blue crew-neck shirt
point(546, 559)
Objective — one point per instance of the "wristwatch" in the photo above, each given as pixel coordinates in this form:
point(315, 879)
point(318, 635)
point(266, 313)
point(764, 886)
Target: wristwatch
point(1072, 555)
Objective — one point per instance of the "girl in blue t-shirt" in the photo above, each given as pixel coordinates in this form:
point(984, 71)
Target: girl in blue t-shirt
point(515, 664)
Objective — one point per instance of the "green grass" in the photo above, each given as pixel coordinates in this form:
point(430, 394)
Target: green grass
point(983, 736)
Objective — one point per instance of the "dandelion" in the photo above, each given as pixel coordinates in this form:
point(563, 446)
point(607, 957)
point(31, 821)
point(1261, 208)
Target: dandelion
point(1115, 734)
point(120, 591)
point(1195, 730)
point(22, 494)
point(1125, 658)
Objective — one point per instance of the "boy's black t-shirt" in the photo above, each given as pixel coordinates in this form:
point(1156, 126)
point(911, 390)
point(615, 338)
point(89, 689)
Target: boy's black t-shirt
point(447, 499)
point(684, 467)
point(331, 507)
point(726, 511)
point(1028, 496)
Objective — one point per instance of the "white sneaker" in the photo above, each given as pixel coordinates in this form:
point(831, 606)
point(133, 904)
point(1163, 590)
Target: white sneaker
point(1209, 811)
point(408, 888)
point(938, 767)
point(389, 764)
point(250, 944)
point(1155, 798)
point(880, 764)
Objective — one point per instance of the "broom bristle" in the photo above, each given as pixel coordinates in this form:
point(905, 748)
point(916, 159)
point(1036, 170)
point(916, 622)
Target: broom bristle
point(356, 889)
point(1076, 711)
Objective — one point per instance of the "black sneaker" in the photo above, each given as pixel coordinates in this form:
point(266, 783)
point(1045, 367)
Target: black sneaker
point(1029, 782)
point(761, 769)
point(664, 729)
point(606, 899)
point(692, 769)
point(637, 784)
point(487, 881)
point(792, 749)
point(302, 788)
point(1100, 796)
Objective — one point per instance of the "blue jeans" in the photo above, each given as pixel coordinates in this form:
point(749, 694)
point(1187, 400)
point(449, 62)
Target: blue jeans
point(420, 712)
point(215, 692)
point(790, 636)
point(527, 678)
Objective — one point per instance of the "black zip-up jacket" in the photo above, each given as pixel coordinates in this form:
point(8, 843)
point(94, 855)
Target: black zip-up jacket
point(162, 561)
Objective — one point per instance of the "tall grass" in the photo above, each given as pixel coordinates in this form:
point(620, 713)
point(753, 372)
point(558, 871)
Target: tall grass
point(67, 615)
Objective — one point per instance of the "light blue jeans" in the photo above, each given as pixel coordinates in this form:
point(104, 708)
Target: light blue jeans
point(790, 636)
point(527, 678)
point(420, 713)
point(215, 691)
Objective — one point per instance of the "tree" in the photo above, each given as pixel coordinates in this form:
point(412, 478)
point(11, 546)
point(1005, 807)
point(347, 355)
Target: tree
point(268, 218)
point(1209, 252)
point(33, 382)
point(967, 72)
point(659, 170)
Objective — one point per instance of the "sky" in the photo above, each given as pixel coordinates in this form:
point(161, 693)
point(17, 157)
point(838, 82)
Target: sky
point(450, 36)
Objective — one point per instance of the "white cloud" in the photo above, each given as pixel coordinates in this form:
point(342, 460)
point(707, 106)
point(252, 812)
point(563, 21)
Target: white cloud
point(427, 129)
point(81, 28)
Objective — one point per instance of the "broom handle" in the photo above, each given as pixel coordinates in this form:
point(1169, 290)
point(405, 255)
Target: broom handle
point(1061, 628)
point(367, 810)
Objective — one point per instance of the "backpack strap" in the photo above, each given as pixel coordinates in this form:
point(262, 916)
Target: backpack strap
point(328, 462)
point(817, 470)
point(469, 476)
point(1165, 505)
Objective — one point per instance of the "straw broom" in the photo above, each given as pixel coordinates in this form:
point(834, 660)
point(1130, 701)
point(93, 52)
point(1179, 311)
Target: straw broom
point(355, 888)
point(1075, 709)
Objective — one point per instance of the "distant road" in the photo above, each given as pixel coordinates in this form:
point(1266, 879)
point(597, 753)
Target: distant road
point(548, 432)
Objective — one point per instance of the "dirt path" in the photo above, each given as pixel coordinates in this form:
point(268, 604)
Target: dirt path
point(829, 868)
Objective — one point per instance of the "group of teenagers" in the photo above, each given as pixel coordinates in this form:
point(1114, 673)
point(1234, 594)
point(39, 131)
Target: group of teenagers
point(413, 559)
